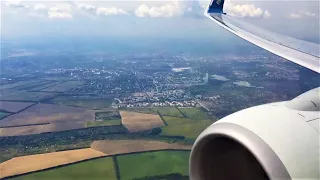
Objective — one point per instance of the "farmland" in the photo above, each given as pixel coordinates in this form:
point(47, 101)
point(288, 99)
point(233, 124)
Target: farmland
point(62, 87)
point(48, 113)
point(169, 111)
point(150, 164)
point(3, 114)
point(165, 163)
point(107, 115)
point(102, 168)
point(128, 146)
point(18, 84)
point(84, 102)
point(164, 111)
point(103, 123)
point(194, 113)
point(25, 95)
point(190, 129)
point(138, 121)
point(13, 106)
point(20, 165)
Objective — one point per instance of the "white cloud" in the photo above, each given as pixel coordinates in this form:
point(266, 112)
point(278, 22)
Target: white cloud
point(245, 10)
point(310, 14)
point(61, 11)
point(294, 16)
point(167, 10)
point(86, 7)
point(110, 11)
point(53, 15)
point(36, 15)
point(302, 15)
point(266, 14)
point(15, 4)
point(40, 7)
point(64, 7)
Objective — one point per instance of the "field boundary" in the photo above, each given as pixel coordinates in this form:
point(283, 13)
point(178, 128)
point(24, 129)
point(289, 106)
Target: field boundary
point(114, 155)
point(181, 112)
point(25, 125)
point(13, 113)
point(164, 122)
point(116, 167)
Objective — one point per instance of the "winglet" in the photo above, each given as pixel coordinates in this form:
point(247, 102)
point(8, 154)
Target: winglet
point(216, 6)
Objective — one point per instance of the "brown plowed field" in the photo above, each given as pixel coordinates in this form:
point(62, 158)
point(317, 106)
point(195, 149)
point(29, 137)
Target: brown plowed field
point(111, 147)
point(138, 121)
point(25, 164)
point(48, 113)
point(37, 129)
point(13, 106)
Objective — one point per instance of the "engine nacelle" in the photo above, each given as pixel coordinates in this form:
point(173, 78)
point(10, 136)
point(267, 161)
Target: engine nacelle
point(272, 141)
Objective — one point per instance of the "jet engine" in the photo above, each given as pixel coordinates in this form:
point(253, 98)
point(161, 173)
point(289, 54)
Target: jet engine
point(271, 141)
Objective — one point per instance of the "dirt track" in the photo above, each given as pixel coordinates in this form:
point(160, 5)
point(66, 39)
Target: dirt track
point(139, 121)
point(24, 164)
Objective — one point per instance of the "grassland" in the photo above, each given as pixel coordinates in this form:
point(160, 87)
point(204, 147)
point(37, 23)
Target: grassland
point(24, 164)
point(152, 164)
point(18, 84)
point(142, 110)
point(107, 115)
point(164, 111)
point(138, 121)
point(194, 113)
point(188, 128)
point(102, 168)
point(84, 102)
point(13, 106)
point(103, 123)
point(3, 114)
point(169, 111)
point(25, 95)
point(62, 87)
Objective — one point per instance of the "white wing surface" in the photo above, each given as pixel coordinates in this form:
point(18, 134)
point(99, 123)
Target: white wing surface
point(300, 52)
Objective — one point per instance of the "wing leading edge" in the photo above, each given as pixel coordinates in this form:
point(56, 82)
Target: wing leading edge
point(300, 52)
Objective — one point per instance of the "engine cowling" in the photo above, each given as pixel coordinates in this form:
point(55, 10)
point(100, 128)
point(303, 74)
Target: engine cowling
point(271, 141)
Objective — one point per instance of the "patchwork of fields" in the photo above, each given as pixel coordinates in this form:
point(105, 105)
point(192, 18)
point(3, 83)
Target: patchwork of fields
point(138, 121)
point(10, 106)
point(167, 163)
point(122, 142)
point(25, 164)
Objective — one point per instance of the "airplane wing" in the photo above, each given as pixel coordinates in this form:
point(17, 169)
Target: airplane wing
point(300, 52)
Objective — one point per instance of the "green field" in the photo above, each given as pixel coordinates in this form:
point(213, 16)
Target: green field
point(102, 168)
point(103, 123)
point(84, 102)
point(195, 113)
point(188, 128)
point(169, 111)
point(64, 86)
point(141, 110)
point(25, 95)
point(3, 114)
point(140, 165)
point(164, 111)
point(19, 84)
point(107, 115)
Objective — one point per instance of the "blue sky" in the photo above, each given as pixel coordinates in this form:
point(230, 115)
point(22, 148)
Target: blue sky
point(176, 18)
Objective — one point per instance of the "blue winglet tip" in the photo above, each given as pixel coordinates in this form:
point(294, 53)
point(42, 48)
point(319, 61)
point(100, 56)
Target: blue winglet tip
point(216, 6)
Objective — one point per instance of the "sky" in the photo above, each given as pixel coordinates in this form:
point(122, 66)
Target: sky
point(152, 19)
